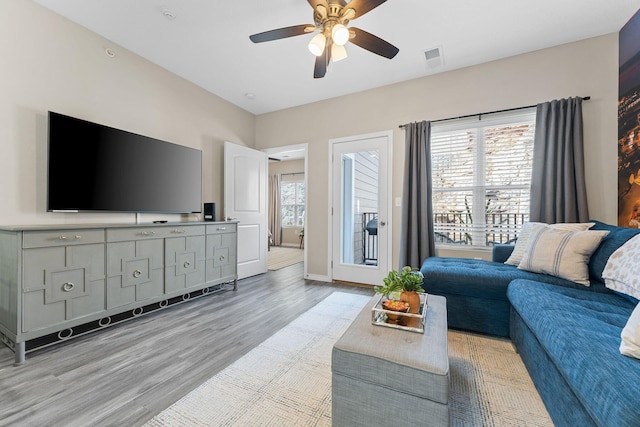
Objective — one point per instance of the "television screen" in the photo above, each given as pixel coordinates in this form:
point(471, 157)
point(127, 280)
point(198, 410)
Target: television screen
point(98, 168)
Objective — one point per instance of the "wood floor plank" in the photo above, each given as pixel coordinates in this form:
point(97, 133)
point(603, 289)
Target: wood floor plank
point(125, 374)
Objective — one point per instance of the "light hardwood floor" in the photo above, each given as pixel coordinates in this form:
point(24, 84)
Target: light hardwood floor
point(126, 374)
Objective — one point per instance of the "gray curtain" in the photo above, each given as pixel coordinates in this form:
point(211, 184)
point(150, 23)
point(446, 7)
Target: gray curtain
point(558, 190)
point(275, 223)
point(416, 233)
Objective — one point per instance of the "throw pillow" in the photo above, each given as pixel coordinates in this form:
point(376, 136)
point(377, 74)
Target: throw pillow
point(561, 253)
point(622, 272)
point(630, 344)
point(525, 232)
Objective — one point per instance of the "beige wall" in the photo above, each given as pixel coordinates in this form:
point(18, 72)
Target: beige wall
point(585, 68)
point(287, 166)
point(50, 63)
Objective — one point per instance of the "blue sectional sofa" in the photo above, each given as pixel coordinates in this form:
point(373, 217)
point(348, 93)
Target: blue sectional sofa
point(568, 335)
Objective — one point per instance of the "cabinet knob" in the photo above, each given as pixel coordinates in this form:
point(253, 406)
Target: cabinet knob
point(221, 257)
point(68, 286)
point(137, 273)
point(148, 233)
point(177, 230)
point(221, 228)
point(187, 264)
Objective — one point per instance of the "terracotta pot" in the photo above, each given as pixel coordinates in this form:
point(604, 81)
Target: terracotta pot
point(413, 299)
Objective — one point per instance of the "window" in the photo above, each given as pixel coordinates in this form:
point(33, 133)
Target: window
point(292, 194)
point(481, 172)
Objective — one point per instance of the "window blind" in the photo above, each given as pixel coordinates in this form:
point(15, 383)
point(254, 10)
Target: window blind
point(481, 174)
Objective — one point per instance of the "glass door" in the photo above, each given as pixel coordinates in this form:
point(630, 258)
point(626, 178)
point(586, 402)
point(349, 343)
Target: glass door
point(360, 227)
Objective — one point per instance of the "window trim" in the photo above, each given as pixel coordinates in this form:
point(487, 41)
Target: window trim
point(478, 189)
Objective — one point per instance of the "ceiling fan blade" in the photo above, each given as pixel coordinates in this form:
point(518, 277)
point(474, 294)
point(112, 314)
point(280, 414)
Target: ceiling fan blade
point(360, 7)
point(320, 68)
point(282, 33)
point(373, 43)
point(322, 61)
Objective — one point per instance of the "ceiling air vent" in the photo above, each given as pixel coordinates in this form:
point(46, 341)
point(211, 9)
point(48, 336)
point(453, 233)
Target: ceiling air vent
point(434, 57)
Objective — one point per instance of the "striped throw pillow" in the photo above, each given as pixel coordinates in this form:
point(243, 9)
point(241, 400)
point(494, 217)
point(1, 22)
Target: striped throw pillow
point(525, 232)
point(561, 253)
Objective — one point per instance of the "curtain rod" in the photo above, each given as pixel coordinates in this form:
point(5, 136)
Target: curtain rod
point(584, 98)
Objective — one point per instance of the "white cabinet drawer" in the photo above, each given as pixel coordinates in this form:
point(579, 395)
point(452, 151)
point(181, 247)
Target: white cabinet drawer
point(43, 239)
point(185, 231)
point(221, 228)
point(142, 233)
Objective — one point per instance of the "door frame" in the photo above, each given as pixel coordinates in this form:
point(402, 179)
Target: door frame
point(297, 147)
point(330, 212)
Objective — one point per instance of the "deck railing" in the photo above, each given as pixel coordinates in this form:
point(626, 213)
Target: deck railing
point(370, 237)
point(458, 228)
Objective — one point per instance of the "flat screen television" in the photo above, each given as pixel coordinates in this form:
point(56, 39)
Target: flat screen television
point(92, 167)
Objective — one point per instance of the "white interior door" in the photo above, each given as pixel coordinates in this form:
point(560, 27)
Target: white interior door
point(360, 215)
point(245, 200)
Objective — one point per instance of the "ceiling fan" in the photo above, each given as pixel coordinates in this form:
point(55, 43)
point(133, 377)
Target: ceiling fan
point(331, 18)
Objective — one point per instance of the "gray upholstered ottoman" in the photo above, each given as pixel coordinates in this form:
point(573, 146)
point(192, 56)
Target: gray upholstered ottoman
point(390, 377)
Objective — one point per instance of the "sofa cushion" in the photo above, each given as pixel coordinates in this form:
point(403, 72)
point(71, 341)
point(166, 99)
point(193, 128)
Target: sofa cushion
point(580, 331)
point(483, 279)
point(501, 252)
point(560, 252)
point(617, 237)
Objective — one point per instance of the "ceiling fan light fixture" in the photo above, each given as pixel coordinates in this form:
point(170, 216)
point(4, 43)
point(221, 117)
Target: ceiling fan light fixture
point(338, 52)
point(317, 44)
point(330, 20)
point(340, 34)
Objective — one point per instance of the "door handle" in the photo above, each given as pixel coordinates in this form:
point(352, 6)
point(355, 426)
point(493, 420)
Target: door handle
point(382, 223)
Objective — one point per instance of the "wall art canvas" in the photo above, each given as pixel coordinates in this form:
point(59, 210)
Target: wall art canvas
point(629, 125)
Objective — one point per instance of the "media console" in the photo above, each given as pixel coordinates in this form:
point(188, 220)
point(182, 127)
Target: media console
point(59, 281)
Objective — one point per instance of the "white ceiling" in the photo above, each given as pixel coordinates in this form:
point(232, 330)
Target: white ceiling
point(208, 41)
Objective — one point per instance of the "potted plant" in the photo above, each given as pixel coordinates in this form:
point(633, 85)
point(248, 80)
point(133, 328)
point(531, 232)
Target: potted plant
point(391, 291)
point(403, 286)
point(392, 286)
point(411, 285)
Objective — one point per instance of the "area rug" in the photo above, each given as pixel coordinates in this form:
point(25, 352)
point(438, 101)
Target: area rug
point(280, 257)
point(286, 380)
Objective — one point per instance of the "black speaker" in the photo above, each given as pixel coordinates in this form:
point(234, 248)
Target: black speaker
point(209, 211)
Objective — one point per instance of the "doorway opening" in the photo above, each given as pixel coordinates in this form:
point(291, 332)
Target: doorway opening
point(287, 206)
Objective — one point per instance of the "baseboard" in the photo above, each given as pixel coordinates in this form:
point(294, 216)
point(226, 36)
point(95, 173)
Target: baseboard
point(318, 277)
